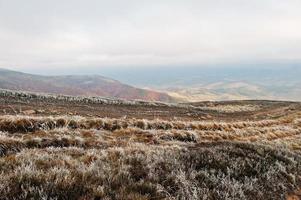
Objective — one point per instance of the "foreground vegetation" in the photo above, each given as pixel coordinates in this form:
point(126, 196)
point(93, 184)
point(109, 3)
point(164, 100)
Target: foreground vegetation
point(73, 157)
point(79, 157)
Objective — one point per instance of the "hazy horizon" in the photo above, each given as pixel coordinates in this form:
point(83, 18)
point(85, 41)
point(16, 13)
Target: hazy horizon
point(192, 50)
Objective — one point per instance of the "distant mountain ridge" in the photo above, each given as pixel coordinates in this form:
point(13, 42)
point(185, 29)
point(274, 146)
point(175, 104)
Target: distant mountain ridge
point(218, 83)
point(78, 85)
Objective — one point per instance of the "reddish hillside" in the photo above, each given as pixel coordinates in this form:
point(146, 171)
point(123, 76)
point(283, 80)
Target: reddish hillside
point(90, 85)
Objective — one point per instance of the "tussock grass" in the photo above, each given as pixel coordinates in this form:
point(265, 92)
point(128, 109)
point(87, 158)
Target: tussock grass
point(21, 123)
point(231, 108)
point(208, 171)
point(73, 157)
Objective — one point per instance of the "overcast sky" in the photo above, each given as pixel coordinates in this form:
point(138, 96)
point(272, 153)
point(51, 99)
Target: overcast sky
point(48, 34)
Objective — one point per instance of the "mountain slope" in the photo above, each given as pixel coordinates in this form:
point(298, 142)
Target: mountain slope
point(235, 90)
point(198, 83)
point(89, 85)
point(222, 90)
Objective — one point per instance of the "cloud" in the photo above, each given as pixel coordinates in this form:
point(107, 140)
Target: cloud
point(67, 33)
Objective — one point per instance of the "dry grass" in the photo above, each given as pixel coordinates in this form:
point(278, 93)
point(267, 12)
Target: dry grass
point(29, 124)
point(231, 108)
point(138, 171)
point(74, 157)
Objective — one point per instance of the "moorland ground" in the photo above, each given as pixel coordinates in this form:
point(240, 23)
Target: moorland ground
point(60, 147)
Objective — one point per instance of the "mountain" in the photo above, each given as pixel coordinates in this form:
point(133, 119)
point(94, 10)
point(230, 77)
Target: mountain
point(221, 90)
point(239, 82)
point(235, 90)
point(84, 85)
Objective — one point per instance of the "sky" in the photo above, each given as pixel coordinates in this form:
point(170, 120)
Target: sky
point(80, 34)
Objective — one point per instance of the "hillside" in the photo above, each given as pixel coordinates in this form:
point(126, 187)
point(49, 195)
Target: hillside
point(84, 85)
point(218, 83)
point(223, 90)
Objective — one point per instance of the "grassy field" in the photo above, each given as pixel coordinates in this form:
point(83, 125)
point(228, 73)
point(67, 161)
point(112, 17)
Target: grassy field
point(207, 150)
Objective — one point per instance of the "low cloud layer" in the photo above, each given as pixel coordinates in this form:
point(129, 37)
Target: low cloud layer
point(68, 33)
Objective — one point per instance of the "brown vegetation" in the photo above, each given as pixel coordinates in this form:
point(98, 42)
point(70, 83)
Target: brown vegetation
point(88, 157)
